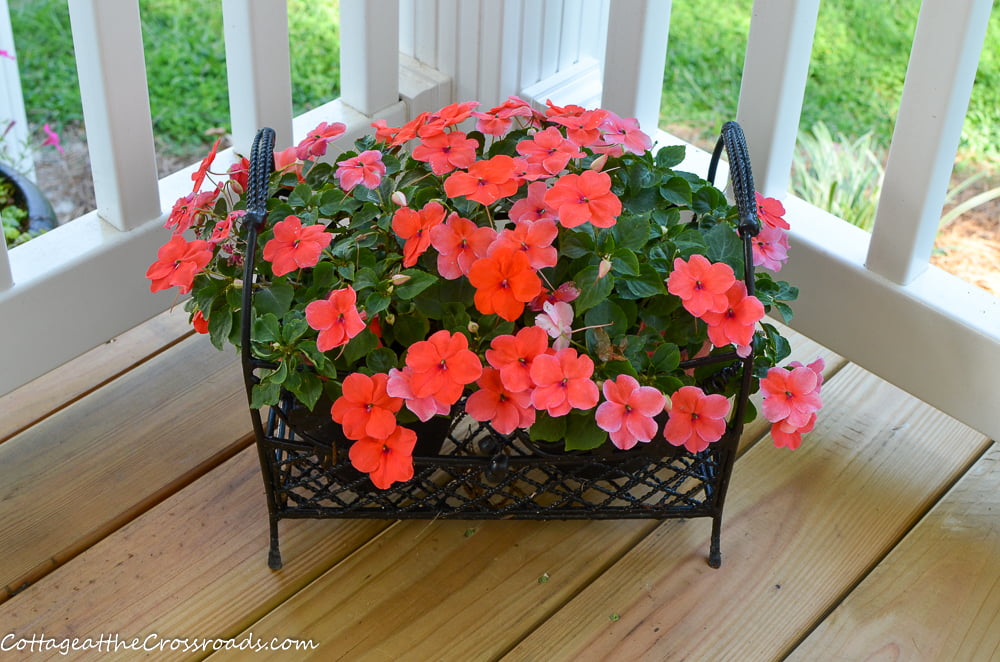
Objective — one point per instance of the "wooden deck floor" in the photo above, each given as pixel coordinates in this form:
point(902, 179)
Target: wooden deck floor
point(131, 507)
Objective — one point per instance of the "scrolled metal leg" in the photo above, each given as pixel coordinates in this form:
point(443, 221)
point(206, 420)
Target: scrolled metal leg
point(274, 554)
point(715, 550)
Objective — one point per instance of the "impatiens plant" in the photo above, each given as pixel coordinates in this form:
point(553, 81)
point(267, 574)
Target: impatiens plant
point(546, 271)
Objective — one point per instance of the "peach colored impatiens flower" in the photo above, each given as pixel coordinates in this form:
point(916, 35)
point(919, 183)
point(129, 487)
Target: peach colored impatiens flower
point(577, 199)
point(563, 382)
point(459, 243)
point(701, 285)
point(485, 181)
point(505, 410)
point(504, 282)
point(696, 419)
point(366, 169)
point(416, 227)
point(295, 246)
point(386, 460)
point(178, 262)
point(791, 400)
point(628, 411)
point(442, 365)
point(534, 238)
point(736, 323)
point(512, 356)
point(446, 151)
point(366, 409)
point(336, 318)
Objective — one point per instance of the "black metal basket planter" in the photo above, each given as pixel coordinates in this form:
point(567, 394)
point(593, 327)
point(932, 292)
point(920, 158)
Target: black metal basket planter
point(467, 470)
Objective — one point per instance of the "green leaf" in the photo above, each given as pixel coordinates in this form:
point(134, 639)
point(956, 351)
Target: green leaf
point(419, 281)
point(266, 329)
point(293, 329)
point(548, 428)
point(608, 312)
point(300, 196)
point(668, 157)
point(381, 359)
point(676, 190)
point(593, 290)
point(582, 433)
point(666, 358)
point(264, 394)
point(624, 263)
point(647, 284)
point(220, 324)
point(275, 299)
point(360, 345)
point(631, 232)
point(376, 303)
point(409, 329)
point(574, 244)
point(724, 245)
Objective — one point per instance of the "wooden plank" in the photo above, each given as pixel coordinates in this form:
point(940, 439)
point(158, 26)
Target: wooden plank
point(193, 566)
point(432, 579)
point(96, 464)
point(937, 596)
point(56, 389)
point(802, 528)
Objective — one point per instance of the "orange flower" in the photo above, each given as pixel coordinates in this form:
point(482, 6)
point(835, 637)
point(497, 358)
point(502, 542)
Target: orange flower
point(505, 410)
point(388, 460)
point(696, 419)
point(701, 285)
point(446, 151)
point(336, 318)
point(563, 382)
point(294, 246)
point(199, 175)
point(415, 227)
point(365, 409)
point(178, 262)
point(736, 323)
point(512, 356)
point(442, 365)
point(486, 181)
point(577, 199)
point(199, 322)
point(504, 282)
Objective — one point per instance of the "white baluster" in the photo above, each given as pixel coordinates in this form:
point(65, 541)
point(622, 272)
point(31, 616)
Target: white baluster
point(774, 82)
point(369, 54)
point(108, 41)
point(257, 62)
point(939, 78)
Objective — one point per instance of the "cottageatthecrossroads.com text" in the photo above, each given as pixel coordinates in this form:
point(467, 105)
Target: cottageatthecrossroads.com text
point(112, 643)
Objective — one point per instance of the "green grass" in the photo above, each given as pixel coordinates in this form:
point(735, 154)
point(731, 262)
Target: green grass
point(185, 63)
point(855, 78)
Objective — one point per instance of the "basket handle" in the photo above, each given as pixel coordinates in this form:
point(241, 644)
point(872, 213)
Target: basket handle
point(261, 166)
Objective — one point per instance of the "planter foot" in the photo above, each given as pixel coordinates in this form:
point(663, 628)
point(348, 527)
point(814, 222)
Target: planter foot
point(715, 549)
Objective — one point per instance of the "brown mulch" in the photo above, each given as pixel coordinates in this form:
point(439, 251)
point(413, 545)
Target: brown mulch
point(969, 247)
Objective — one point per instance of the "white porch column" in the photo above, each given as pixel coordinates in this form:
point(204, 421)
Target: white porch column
point(107, 38)
point(259, 70)
point(936, 93)
point(16, 139)
point(773, 85)
point(369, 54)
point(636, 51)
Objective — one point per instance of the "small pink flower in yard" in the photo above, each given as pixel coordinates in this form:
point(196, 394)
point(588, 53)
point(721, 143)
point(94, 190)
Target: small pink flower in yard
point(416, 227)
point(736, 323)
point(771, 212)
point(563, 382)
point(701, 285)
point(547, 152)
point(336, 318)
point(770, 248)
point(626, 134)
point(388, 460)
point(295, 246)
point(459, 243)
point(578, 199)
point(696, 419)
point(627, 414)
point(6, 54)
point(556, 320)
point(512, 355)
point(533, 238)
point(315, 143)
point(426, 407)
point(505, 410)
point(178, 262)
point(366, 409)
point(446, 151)
point(366, 168)
point(532, 207)
point(51, 138)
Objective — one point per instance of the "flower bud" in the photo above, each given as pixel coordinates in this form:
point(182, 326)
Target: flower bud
point(598, 163)
point(399, 198)
point(603, 268)
point(399, 279)
point(389, 318)
point(473, 327)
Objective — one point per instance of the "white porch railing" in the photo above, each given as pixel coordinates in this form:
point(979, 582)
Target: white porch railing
point(872, 298)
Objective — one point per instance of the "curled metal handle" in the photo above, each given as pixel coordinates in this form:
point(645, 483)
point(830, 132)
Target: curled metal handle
point(735, 144)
